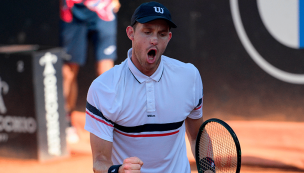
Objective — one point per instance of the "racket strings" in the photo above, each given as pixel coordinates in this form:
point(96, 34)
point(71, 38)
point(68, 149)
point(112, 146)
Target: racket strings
point(217, 144)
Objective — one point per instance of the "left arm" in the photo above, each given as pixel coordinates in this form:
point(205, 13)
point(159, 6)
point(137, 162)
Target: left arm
point(195, 119)
point(192, 128)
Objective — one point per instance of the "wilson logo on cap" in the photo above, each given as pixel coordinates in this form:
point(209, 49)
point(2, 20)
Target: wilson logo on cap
point(159, 10)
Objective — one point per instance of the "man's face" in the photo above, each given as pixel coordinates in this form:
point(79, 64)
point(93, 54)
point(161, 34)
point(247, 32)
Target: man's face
point(149, 42)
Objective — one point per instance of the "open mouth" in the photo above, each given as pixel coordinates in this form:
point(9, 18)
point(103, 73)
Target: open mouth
point(151, 53)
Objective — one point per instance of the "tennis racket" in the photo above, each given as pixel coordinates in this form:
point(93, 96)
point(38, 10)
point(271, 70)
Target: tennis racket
point(217, 148)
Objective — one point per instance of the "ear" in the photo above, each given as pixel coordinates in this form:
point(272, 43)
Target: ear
point(170, 36)
point(130, 32)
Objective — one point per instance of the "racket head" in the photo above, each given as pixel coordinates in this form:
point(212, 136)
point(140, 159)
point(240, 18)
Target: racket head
point(217, 148)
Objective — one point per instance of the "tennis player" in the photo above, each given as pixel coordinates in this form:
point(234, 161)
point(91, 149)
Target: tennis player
point(137, 113)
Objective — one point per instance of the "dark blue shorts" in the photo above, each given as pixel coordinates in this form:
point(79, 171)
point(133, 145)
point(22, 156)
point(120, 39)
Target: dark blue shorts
point(74, 37)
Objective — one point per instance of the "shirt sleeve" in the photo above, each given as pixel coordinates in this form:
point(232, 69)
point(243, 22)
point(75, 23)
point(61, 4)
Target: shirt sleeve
point(96, 122)
point(197, 111)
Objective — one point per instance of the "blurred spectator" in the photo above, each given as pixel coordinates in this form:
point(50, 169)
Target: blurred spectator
point(81, 17)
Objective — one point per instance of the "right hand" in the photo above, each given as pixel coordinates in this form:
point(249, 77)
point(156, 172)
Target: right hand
point(116, 5)
point(131, 165)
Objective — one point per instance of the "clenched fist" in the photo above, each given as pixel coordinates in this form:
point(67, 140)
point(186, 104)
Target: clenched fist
point(131, 165)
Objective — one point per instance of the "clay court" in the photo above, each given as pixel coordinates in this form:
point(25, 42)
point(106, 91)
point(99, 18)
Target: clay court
point(271, 147)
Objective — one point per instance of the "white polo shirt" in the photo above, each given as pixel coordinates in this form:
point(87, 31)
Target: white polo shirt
point(144, 116)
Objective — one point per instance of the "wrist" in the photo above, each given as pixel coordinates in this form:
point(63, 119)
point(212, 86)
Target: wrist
point(114, 169)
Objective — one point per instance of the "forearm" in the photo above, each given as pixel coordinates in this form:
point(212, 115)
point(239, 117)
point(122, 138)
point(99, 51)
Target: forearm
point(192, 145)
point(101, 152)
point(192, 128)
point(101, 164)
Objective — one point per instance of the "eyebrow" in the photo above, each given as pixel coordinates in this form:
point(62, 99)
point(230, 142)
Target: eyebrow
point(148, 26)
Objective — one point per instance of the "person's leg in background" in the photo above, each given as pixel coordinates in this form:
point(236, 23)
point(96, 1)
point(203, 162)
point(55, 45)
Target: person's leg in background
point(74, 40)
point(70, 86)
point(70, 93)
point(103, 35)
point(105, 45)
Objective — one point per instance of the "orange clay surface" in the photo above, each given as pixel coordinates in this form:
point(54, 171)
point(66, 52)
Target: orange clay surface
point(272, 147)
